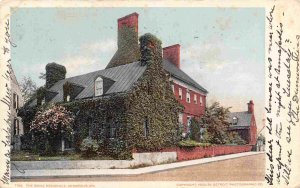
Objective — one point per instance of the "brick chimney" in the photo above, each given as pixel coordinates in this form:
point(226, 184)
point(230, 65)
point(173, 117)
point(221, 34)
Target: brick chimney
point(54, 73)
point(172, 53)
point(251, 107)
point(128, 47)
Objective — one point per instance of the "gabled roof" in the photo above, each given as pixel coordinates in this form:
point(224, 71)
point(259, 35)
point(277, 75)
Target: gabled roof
point(182, 76)
point(243, 120)
point(124, 76)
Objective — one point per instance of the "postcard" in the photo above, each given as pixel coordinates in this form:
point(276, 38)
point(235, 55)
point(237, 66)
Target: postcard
point(138, 93)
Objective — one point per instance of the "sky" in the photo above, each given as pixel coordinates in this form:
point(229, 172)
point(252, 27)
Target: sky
point(221, 48)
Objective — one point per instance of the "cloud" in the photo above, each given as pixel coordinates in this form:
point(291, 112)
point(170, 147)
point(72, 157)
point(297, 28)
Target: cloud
point(90, 57)
point(230, 78)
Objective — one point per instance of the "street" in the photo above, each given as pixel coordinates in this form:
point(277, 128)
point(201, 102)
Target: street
point(248, 168)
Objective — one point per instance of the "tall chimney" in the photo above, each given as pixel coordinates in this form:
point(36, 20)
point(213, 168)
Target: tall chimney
point(128, 47)
point(172, 53)
point(54, 73)
point(251, 107)
point(151, 51)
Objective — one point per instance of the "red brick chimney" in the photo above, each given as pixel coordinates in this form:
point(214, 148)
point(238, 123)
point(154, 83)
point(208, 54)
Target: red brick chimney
point(172, 53)
point(128, 45)
point(251, 107)
point(131, 20)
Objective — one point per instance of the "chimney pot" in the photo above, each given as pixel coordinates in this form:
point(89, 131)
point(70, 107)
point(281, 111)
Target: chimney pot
point(172, 54)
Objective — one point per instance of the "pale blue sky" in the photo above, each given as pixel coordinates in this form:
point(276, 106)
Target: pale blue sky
point(221, 48)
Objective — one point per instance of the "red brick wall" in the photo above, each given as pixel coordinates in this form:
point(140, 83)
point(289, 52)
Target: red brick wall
point(202, 152)
point(190, 109)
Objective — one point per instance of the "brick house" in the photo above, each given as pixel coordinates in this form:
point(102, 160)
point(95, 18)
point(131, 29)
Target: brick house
point(187, 91)
point(142, 92)
point(244, 124)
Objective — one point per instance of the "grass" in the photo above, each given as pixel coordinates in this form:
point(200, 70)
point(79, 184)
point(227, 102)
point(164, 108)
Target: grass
point(27, 156)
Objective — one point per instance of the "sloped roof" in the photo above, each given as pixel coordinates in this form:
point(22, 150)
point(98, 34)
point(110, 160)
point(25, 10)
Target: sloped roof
point(243, 120)
point(179, 74)
point(124, 76)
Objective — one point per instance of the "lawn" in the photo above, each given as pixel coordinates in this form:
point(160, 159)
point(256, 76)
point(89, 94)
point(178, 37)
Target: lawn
point(28, 156)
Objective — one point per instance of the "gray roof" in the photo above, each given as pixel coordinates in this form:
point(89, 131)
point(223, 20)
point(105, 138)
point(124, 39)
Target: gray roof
point(243, 120)
point(124, 76)
point(182, 76)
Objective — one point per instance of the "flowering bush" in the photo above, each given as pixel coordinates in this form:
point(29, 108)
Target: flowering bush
point(54, 120)
point(50, 125)
point(89, 147)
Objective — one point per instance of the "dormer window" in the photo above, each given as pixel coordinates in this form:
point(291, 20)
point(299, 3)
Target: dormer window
point(234, 120)
point(98, 86)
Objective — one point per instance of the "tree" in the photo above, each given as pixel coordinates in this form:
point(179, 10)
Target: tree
point(51, 125)
point(28, 88)
point(216, 123)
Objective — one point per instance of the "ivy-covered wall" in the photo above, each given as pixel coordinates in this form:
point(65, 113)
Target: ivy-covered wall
point(152, 99)
point(145, 118)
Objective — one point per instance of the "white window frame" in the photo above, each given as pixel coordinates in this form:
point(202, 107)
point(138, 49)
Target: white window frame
point(68, 98)
point(180, 93)
point(188, 96)
point(195, 99)
point(201, 101)
point(180, 118)
point(98, 86)
point(173, 88)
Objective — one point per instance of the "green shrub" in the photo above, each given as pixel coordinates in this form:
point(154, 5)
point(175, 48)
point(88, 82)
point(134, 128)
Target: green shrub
point(192, 143)
point(234, 138)
point(89, 147)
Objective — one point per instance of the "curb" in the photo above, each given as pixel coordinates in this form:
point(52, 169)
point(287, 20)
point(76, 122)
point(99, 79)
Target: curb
point(61, 173)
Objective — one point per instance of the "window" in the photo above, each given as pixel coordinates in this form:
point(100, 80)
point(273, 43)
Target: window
point(43, 101)
point(201, 102)
point(180, 118)
point(188, 96)
point(146, 127)
point(234, 120)
point(16, 127)
point(180, 93)
point(98, 86)
point(113, 132)
point(68, 98)
point(195, 98)
point(90, 127)
point(15, 101)
point(173, 89)
point(189, 121)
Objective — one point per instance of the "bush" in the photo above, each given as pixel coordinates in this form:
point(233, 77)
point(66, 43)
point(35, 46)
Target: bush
point(192, 143)
point(117, 149)
point(49, 126)
point(234, 138)
point(26, 141)
point(89, 147)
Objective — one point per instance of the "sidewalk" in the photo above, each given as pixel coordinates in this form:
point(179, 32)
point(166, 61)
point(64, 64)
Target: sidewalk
point(115, 172)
